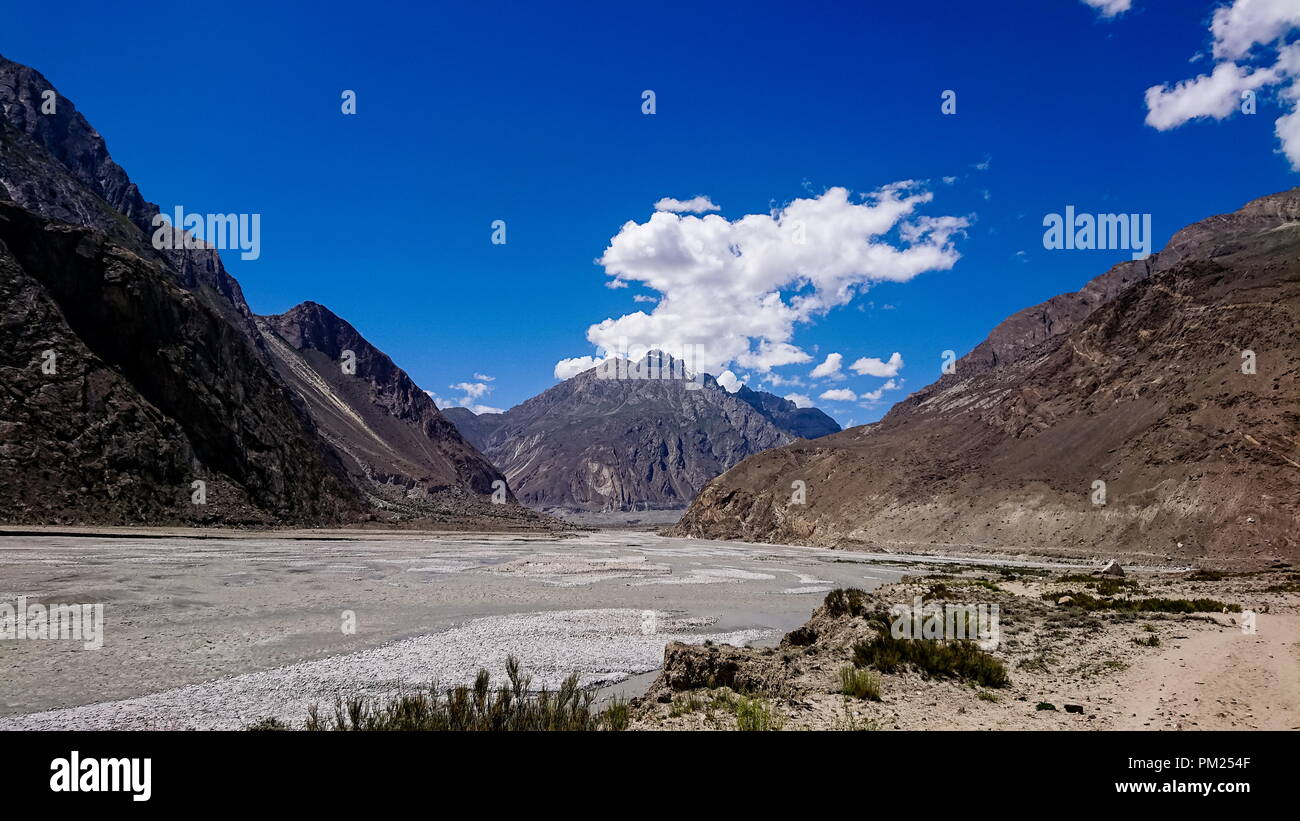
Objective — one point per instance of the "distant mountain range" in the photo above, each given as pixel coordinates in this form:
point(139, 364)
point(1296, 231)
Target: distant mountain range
point(632, 436)
point(1172, 380)
point(138, 382)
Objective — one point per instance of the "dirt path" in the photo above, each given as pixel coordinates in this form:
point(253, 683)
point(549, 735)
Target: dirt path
point(1218, 680)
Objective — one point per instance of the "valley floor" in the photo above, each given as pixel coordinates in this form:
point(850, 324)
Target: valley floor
point(220, 631)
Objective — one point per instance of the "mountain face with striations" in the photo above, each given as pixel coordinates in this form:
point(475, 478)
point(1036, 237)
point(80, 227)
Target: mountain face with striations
point(1136, 381)
point(390, 435)
point(637, 437)
point(132, 373)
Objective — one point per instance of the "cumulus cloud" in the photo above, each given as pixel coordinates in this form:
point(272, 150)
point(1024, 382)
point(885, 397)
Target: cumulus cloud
point(1215, 95)
point(871, 366)
point(838, 395)
point(695, 205)
point(470, 391)
point(730, 381)
point(439, 401)
point(777, 380)
point(874, 396)
point(1110, 8)
point(567, 368)
point(1239, 27)
point(830, 369)
point(734, 291)
point(800, 400)
point(1250, 52)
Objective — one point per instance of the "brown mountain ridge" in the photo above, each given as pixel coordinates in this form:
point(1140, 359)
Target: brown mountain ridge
point(1135, 381)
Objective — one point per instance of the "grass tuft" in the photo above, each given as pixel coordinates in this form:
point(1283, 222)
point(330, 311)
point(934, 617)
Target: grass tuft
point(863, 684)
point(509, 707)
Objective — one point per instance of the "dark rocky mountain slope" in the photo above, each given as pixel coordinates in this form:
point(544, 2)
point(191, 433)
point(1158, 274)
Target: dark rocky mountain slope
point(150, 390)
point(602, 441)
point(162, 377)
point(1135, 381)
point(392, 439)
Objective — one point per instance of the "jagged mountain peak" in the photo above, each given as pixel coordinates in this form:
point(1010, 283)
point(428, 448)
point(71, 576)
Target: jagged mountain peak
point(631, 435)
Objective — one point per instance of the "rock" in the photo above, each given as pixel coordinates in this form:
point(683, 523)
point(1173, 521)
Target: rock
point(1112, 568)
point(693, 666)
point(1065, 600)
point(1074, 708)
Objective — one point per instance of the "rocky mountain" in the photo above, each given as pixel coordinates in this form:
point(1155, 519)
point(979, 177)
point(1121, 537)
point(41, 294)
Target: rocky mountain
point(131, 373)
point(393, 441)
point(617, 438)
point(477, 428)
point(1137, 381)
point(802, 423)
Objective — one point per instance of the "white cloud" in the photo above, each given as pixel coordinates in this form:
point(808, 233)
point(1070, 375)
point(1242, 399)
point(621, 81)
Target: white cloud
point(830, 369)
point(1242, 32)
point(1239, 27)
point(644, 298)
point(472, 390)
point(1110, 8)
point(730, 381)
point(768, 355)
point(1215, 95)
point(871, 366)
point(777, 380)
point(733, 291)
point(695, 205)
point(800, 400)
point(874, 396)
point(838, 395)
point(438, 401)
point(567, 368)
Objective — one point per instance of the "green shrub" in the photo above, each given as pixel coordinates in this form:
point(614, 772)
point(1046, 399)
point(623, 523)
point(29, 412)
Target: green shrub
point(1206, 576)
point(756, 715)
point(860, 683)
point(1085, 601)
point(1104, 585)
point(510, 707)
point(846, 601)
point(959, 659)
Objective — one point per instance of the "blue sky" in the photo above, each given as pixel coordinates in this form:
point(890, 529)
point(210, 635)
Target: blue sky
point(532, 114)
